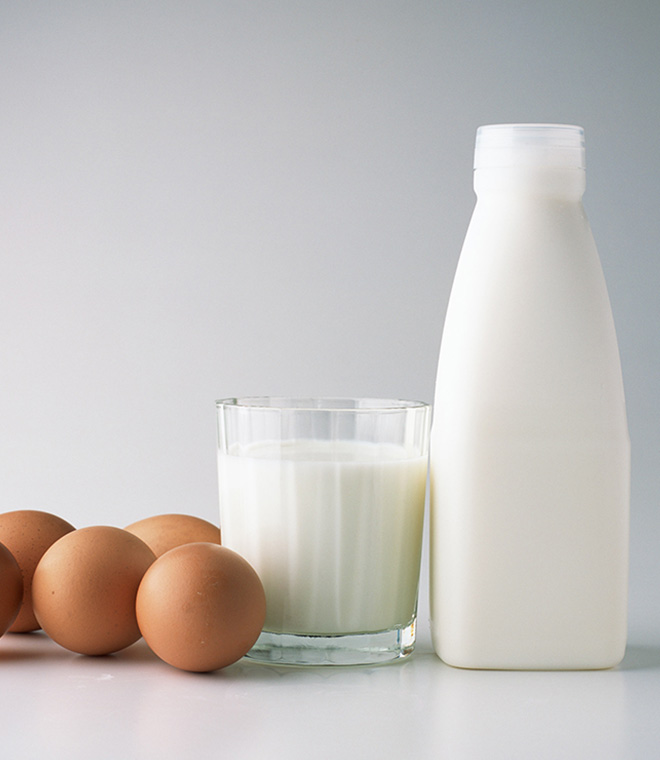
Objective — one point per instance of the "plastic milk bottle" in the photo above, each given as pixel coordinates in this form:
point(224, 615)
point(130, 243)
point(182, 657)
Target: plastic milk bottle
point(530, 473)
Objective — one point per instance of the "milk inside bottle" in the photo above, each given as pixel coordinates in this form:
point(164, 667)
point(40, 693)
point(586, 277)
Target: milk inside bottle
point(529, 448)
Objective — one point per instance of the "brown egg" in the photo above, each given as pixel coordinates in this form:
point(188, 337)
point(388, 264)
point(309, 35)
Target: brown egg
point(27, 533)
point(84, 589)
point(163, 532)
point(200, 607)
point(11, 588)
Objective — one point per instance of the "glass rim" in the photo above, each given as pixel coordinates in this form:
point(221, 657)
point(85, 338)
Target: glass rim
point(355, 404)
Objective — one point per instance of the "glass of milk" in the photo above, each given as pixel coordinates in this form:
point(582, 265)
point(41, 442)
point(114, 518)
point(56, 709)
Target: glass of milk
point(325, 498)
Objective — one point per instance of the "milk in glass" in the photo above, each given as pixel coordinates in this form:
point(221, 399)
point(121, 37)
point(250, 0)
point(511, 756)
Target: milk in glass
point(333, 528)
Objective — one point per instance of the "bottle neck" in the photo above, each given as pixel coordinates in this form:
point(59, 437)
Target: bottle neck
point(546, 181)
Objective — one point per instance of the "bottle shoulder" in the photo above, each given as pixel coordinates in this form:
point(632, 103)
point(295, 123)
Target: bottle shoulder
point(529, 324)
point(536, 226)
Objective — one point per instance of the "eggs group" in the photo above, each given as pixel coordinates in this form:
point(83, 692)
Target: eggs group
point(98, 589)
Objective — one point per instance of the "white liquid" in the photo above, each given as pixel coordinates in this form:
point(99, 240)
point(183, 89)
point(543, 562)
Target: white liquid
point(529, 448)
point(332, 528)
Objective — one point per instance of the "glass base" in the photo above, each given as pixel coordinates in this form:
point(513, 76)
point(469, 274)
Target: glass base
point(335, 649)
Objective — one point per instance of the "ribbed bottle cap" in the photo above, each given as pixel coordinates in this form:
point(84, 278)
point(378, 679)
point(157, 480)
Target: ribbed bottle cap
point(533, 145)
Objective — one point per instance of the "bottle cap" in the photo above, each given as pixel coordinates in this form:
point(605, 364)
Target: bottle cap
point(531, 145)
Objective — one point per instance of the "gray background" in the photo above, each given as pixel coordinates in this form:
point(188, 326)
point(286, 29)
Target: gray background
point(206, 199)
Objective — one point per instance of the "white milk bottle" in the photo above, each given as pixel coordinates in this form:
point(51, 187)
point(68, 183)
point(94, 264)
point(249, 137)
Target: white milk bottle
point(530, 453)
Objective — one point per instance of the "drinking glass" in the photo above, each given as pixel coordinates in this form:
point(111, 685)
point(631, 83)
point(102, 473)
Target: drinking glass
point(325, 498)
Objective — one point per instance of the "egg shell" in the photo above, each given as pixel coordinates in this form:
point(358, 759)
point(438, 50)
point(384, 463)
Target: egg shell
point(84, 589)
point(27, 533)
point(201, 607)
point(163, 532)
point(11, 588)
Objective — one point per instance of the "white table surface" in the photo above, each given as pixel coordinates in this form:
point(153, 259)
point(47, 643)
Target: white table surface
point(55, 704)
